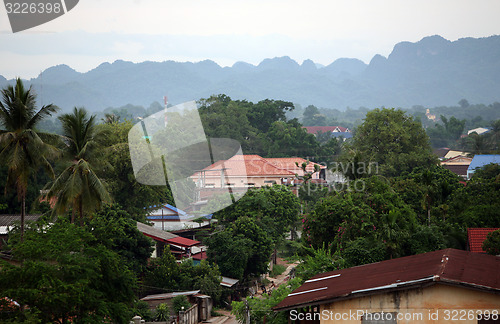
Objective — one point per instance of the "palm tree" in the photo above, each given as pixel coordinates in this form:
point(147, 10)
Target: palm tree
point(78, 186)
point(22, 148)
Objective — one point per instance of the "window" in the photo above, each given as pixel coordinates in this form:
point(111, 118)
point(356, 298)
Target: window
point(209, 185)
point(270, 181)
point(250, 185)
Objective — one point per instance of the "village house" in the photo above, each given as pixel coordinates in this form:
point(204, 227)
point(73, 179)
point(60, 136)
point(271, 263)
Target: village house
point(334, 131)
point(433, 287)
point(480, 161)
point(478, 131)
point(180, 247)
point(458, 165)
point(200, 310)
point(169, 218)
point(255, 171)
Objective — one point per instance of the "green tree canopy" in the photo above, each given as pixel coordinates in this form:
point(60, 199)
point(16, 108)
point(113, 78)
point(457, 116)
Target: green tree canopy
point(65, 274)
point(78, 185)
point(274, 208)
point(123, 187)
point(392, 139)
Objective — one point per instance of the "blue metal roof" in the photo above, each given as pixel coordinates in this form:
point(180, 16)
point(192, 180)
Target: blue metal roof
point(180, 212)
point(175, 209)
point(481, 160)
point(342, 134)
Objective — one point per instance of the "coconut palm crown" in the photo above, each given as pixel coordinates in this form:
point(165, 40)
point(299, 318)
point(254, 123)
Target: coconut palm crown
point(78, 186)
point(23, 149)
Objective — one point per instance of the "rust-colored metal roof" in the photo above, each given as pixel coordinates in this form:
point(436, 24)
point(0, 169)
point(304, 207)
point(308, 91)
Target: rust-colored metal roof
point(182, 241)
point(450, 266)
point(476, 237)
point(460, 170)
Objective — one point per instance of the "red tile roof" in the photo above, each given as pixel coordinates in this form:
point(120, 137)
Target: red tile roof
point(324, 129)
point(249, 165)
point(476, 237)
point(289, 164)
point(450, 266)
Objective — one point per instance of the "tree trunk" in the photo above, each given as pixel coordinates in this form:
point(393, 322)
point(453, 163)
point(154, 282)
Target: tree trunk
point(23, 213)
point(73, 212)
point(80, 211)
point(429, 215)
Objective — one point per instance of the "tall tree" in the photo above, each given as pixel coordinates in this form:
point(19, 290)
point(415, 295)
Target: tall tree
point(22, 148)
point(394, 140)
point(78, 186)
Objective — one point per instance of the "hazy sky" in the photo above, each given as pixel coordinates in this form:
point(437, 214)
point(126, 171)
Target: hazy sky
point(227, 31)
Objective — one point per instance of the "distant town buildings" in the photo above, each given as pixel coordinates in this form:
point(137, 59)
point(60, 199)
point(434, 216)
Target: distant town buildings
point(429, 115)
point(334, 131)
point(478, 131)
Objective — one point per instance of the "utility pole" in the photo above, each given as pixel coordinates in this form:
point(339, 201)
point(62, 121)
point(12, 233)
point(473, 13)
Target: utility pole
point(247, 312)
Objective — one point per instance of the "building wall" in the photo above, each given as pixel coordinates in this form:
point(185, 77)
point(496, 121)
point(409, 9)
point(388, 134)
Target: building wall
point(258, 181)
point(434, 304)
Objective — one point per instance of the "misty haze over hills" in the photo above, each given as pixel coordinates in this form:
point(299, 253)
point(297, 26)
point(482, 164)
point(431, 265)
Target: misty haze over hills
point(431, 72)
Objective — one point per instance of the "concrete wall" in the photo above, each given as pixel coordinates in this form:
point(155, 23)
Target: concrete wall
point(435, 304)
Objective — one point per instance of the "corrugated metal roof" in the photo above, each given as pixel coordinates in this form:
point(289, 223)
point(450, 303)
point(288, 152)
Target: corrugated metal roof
point(182, 241)
point(441, 152)
point(8, 220)
point(342, 134)
point(476, 237)
point(481, 160)
point(170, 295)
point(155, 233)
point(451, 266)
point(228, 282)
point(460, 170)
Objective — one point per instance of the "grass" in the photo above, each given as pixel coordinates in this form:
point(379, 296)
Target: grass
point(277, 270)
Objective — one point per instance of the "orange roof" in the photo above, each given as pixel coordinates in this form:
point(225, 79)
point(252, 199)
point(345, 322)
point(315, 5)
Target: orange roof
point(476, 237)
point(289, 164)
point(246, 165)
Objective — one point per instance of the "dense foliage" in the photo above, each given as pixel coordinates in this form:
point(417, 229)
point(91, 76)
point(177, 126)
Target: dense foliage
point(396, 200)
point(67, 274)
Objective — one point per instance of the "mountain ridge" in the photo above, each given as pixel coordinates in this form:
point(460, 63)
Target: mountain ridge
point(431, 72)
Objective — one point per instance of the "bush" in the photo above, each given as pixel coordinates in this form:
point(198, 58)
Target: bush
point(492, 243)
point(162, 313)
point(178, 302)
point(141, 308)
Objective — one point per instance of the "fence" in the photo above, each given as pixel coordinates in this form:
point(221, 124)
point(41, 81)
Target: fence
point(190, 316)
